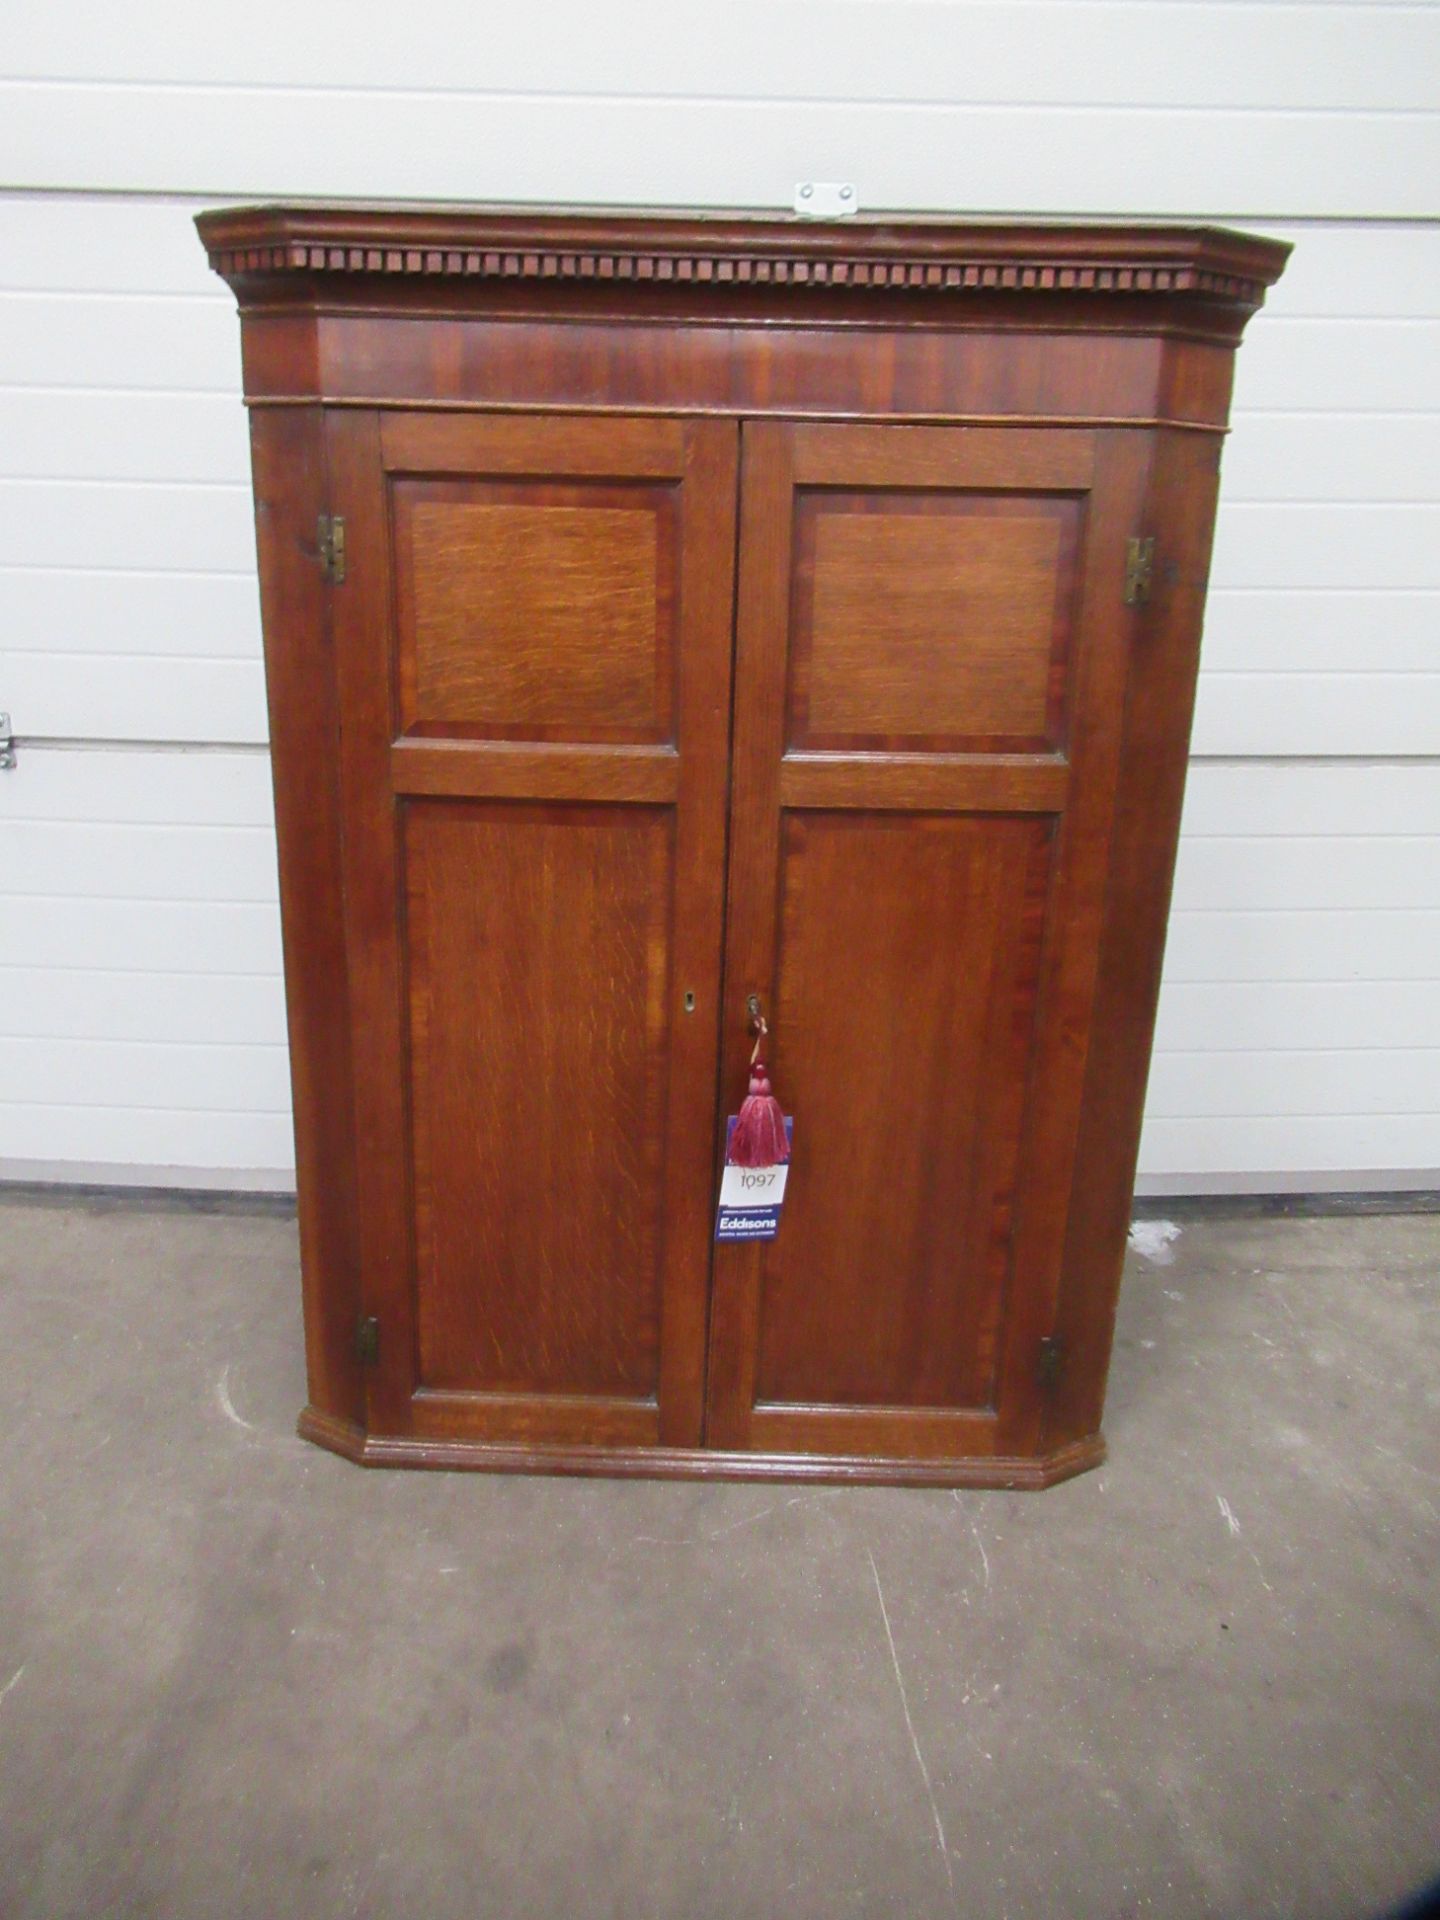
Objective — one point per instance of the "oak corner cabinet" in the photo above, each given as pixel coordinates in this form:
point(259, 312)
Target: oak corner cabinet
point(661, 611)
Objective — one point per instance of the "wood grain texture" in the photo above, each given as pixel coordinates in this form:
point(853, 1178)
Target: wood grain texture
point(870, 931)
point(538, 965)
point(558, 770)
point(931, 620)
point(541, 1077)
point(288, 456)
point(621, 1461)
point(1074, 916)
point(531, 606)
point(926, 782)
point(925, 839)
point(918, 459)
point(1160, 694)
point(373, 920)
point(882, 362)
point(934, 256)
point(535, 612)
point(431, 442)
point(885, 1433)
point(762, 598)
point(904, 1009)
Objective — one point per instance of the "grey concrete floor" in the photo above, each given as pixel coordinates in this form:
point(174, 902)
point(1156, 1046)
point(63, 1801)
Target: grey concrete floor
point(240, 1677)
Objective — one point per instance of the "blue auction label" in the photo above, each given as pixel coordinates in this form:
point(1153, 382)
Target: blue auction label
point(751, 1197)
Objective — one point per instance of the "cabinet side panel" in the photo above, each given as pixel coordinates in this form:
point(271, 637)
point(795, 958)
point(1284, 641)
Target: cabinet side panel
point(288, 464)
point(1160, 700)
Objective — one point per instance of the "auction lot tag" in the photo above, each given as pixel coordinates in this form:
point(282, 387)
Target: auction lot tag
point(750, 1197)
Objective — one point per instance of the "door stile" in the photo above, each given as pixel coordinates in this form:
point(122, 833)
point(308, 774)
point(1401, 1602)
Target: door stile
point(1071, 945)
point(374, 885)
point(707, 594)
point(761, 664)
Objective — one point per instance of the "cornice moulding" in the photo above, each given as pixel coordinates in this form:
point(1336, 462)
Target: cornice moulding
point(739, 250)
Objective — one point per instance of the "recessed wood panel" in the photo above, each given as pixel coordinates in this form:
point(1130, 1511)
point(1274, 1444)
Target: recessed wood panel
point(535, 611)
point(931, 619)
point(539, 959)
point(908, 957)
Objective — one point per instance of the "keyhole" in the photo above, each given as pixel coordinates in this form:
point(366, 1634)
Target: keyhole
point(689, 1003)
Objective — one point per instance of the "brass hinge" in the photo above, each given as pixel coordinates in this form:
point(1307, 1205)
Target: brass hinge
point(367, 1341)
point(1139, 571)
point(330, 543)
point(1052, 1358)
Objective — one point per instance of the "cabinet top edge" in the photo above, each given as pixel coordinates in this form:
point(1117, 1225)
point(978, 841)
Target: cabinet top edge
point(926, 254)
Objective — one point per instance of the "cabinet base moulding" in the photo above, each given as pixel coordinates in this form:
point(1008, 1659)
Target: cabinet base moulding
point(681, 1463)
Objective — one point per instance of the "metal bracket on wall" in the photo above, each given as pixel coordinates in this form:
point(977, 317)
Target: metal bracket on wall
point(7, 744)
point(826, 199)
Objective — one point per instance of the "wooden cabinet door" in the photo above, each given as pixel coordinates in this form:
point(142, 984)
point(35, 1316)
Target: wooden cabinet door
point(534, 642)
point(930, 673)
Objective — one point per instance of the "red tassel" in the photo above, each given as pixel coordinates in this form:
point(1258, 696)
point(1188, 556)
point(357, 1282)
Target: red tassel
point(759, 1139)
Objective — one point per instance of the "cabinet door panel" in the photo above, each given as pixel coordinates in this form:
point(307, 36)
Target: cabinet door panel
point(534, 646)
point(929, 683)
point(927, 620)
point(530, 610)
point(897, 1212)
point(538, 1046)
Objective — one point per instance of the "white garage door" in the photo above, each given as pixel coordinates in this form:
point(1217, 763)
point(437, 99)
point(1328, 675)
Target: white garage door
point(141, 1013)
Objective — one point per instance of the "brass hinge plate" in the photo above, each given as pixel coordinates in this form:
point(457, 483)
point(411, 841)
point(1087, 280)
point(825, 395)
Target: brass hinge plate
point(1051, 1360)
point(1139, 571)
point(330, 543)
point(367, 1341)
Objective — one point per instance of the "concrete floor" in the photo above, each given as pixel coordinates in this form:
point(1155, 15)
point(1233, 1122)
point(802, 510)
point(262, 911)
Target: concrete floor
point(240, 1677)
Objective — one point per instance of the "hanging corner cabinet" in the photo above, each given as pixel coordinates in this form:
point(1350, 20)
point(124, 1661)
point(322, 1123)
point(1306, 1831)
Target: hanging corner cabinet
point(665, 611)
